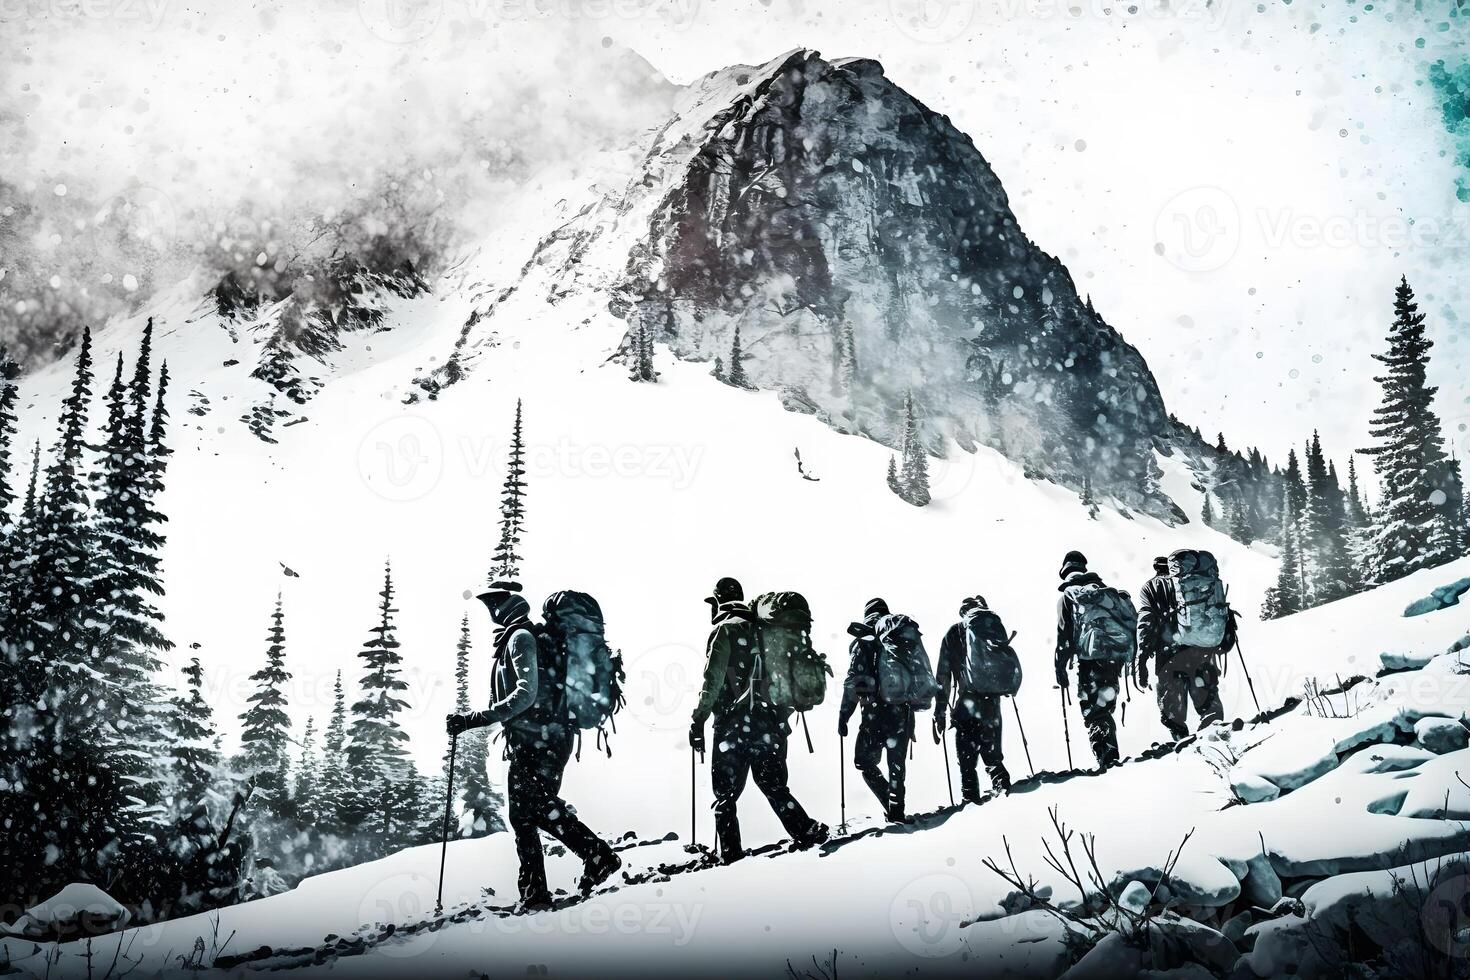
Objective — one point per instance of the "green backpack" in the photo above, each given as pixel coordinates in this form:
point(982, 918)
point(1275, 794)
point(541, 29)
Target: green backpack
point(1106, 622)
point(795, 675)
point(905, 675)
point(591, 674)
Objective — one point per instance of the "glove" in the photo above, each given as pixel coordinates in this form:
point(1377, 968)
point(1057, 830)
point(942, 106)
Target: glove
point(454, 724)
point(842, 728)
point(696, 738)
point(938, 728)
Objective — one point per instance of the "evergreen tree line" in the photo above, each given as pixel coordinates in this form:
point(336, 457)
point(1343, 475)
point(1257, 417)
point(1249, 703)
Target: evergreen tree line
point(1332, 541)
point(109, 776)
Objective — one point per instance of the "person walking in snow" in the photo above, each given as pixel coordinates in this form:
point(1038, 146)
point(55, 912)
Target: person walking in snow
point(538, 743)
point(886, 729)
point(1096, 627)
point(750, 732)
point(976, 668)
point(1185, 673)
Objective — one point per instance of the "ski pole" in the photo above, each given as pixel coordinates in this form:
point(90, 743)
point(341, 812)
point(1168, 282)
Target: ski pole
point(1066, 729)
point(444, 842)
point(693, 793)
point(1250, 683)
point(1022, 728)
point(948, 780)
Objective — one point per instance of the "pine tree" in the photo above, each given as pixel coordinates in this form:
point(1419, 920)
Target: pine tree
point(481, 805)
point(1284, 598)
point(377, 746)
point(333, 790)
point(1323, 550)
point(1207, 512)
point(194, 755)
point(507, 558)
point(719, 369)
point(737, 375)
point(1220, 444)
point(1089, 501)
point(266, 728)
point(893, 483)
point(308, 776)
point(9, 394)
point(913, 475)
point(642, 355)
point(847, 357)
point(1240, 522)
point(1409, 455)
point(1357, 508)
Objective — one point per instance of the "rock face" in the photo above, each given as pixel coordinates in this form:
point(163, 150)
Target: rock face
point(863, 248)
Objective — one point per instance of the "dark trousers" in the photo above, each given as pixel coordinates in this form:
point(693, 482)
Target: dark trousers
point(977, 736)
point(741, 753)
point(533, 783)
point(1197, 684)
point(1099, 683)
point(886, 730)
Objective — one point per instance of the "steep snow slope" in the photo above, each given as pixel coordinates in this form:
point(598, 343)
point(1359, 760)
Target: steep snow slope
point(913, 897)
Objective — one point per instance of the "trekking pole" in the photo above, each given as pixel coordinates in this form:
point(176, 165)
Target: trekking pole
point(842, 779)
point(1066, 729)
point(444, 842)
point(693, 793)
point(1022, 728)
point(948, 780)
point(1252, 684)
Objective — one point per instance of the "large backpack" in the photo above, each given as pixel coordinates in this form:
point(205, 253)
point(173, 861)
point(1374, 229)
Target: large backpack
point(990, 665)
point(1202, 614)
point(1106, 622)
point(905, 675)
point(794, 674)
point(572, 638)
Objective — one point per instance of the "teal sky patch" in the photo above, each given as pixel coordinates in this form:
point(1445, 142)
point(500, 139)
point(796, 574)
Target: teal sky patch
point(1452, 87)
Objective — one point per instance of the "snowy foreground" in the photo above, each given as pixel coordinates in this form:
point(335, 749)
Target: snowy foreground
point(1351, 806)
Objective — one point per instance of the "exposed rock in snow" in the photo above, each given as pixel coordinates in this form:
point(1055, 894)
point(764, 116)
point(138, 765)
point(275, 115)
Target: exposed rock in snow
point(1441, 735)
point(1135, 896)
point(79, 909)
point(1441, 598)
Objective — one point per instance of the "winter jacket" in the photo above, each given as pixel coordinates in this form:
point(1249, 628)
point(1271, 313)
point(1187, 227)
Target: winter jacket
point(1066, 622)
point(1157, 605)
point(514, 685)
point(861, 684)
point(730, 662)
point(949, 671)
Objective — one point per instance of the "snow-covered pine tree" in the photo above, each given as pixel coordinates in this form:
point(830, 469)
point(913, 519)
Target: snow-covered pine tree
point(642, 355)
point(893, 475)
point(333, 788)
point(9, 393)
point(377, 747)
point(266, 728)
point(480, 805)
point(1089, 500)
point(1409, 455)
point(718, 371)
point(193, 751)
point(308, 775)
point(1207, 512)
point(507, 557)
point(1323, 551)
point(1220, 444)
point(913, 475)
point(1284, 598)
point(736, 374)
point(1241, 528)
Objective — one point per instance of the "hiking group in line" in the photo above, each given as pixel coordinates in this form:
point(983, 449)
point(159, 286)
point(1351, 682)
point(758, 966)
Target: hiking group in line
point(554, 680)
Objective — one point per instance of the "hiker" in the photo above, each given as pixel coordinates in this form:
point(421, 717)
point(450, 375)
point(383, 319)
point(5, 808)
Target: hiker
point(750, 732)
point(886, 729)
point(977, 667)
point(1096, 627)
point(1186, 660)
point(527, 704)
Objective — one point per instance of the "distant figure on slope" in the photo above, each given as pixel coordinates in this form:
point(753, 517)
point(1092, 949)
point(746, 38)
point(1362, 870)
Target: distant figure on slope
point(1096, 627)
point(886, 729)
point(1187, 638)
point(977, 667)
point(526, 701)
point(750, 732)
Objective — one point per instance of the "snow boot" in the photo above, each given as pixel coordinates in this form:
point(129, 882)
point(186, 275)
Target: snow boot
point(598, 870)
point(818, 834)
point(539, 902)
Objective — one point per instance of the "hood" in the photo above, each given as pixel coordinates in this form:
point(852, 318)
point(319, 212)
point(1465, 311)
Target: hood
point(1079, 578)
